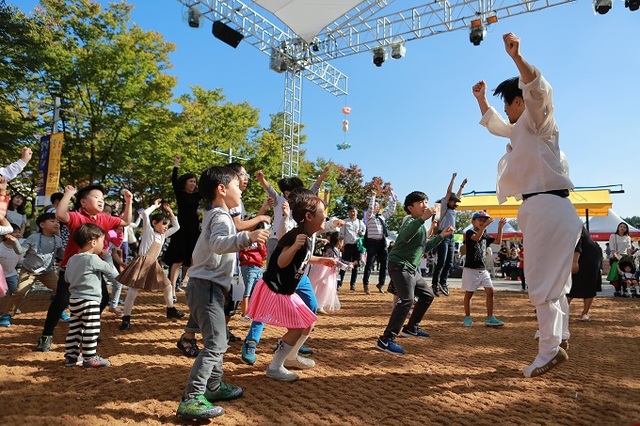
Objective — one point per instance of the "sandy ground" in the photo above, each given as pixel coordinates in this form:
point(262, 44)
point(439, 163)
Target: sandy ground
point(457, 377)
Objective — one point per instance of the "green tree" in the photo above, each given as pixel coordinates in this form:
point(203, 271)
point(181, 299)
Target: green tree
point(633, 221)
point(112, 78)
point(350, 181)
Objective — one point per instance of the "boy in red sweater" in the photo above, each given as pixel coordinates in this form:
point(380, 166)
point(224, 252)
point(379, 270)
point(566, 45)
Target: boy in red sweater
point(251, 262)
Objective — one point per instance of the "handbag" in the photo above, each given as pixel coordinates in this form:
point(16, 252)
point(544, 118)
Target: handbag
point(613, 274)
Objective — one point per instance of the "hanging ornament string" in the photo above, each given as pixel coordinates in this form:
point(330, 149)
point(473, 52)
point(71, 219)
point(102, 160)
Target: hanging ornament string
point(345, 128)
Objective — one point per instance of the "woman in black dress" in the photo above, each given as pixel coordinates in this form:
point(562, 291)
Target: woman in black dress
point(586, 272)
point(183, 242)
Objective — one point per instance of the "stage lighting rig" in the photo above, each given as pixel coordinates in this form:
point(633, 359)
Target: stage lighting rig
point(602, 6)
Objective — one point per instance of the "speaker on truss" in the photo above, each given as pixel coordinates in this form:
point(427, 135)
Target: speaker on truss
point(225, 33)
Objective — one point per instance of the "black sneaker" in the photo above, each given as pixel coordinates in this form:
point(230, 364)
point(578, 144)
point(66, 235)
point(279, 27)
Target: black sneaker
point(444, 289)
point(189, 347)
point(173, 313)
point(380, 288)
point(436, 292)
point(414, 332)
point(44, 344)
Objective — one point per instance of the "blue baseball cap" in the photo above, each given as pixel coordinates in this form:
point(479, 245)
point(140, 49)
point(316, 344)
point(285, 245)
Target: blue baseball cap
point(481, 214)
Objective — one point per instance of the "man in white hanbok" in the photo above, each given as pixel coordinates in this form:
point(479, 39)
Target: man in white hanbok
point(534, 169)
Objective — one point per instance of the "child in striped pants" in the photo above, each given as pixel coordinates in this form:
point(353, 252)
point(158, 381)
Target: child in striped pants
point(84, 275)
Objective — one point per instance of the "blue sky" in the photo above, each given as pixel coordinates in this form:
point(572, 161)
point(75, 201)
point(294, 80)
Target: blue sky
point(414, 121)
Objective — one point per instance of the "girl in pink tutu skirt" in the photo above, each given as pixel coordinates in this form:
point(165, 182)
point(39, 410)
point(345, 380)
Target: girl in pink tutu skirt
point(324, 278)
point(274, 300)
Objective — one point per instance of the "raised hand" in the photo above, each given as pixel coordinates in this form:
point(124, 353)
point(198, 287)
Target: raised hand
point(70, 190)
point(512, 44)
point(26, 154)
point(157, 203)
point(128, 196)
point(167, 207)
point(480, 90)
point(286, 211)
point(176, 160)
point(259, 175)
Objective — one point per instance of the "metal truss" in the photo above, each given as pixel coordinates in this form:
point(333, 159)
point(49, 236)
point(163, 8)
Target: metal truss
point(365, 31)
point(362, 29)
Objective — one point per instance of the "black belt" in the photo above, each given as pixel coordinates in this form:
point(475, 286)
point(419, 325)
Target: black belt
point(564, 193)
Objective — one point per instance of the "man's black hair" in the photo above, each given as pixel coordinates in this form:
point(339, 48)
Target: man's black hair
point(290, 183)
point(82, 194)
point(211, 178)
point(508, 90)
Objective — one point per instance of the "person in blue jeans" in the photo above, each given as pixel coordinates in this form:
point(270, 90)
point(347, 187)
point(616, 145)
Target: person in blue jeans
point(306, 293)
point(448, 206)
point(304, 288)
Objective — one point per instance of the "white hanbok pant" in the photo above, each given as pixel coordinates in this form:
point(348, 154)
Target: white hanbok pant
point(550, 229)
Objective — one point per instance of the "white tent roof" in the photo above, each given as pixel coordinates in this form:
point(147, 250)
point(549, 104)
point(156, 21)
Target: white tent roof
point(601, 227)
point(307, 18)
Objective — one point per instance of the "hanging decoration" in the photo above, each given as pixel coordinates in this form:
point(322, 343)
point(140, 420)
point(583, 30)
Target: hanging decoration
point(345, 128)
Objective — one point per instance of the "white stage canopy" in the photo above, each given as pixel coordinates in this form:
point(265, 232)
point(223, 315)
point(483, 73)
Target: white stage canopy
point(307, 18)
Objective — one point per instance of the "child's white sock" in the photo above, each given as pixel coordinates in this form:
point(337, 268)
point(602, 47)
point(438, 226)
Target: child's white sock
point(280, 355)
point(132, 293)
point(297, 346)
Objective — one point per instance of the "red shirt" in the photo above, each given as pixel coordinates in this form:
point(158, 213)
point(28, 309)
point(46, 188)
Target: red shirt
point(253, 255)
point(77, 219)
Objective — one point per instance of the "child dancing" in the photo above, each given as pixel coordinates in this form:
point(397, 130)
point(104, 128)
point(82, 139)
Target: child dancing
point(475, 273)
point(145, 273)
point(404, 260)
point(324, 278)
point(210, 276)
point(275, 301)
point(84, 274)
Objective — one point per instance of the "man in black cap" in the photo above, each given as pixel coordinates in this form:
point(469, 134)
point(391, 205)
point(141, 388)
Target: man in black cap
point(447, 218)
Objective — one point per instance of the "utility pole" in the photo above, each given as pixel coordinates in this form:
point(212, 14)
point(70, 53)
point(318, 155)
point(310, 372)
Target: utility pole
point(229, 155)
point(56, 114)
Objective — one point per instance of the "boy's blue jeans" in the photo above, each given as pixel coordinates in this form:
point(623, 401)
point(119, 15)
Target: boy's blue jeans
point(306, 293)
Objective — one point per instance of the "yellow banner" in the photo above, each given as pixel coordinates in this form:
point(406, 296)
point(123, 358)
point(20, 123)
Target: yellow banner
point(53, 170)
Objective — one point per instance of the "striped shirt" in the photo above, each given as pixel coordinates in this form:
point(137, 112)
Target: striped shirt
point(375, 230)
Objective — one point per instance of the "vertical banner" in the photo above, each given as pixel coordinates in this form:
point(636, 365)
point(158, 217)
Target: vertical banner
point(49, 167)
point(43, 169)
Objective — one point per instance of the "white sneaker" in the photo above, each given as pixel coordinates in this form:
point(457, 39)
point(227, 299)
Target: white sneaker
point(300, 363)
point(584, 318)
point(281, 374)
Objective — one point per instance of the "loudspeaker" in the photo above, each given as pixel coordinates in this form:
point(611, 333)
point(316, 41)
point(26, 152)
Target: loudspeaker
point(227, 34)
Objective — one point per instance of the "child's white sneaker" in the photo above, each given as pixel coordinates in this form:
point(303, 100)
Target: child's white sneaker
point(281, 374)
point(299, 362)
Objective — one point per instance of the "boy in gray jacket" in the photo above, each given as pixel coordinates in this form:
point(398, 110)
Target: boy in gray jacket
point(84, 275)
point(210, 278)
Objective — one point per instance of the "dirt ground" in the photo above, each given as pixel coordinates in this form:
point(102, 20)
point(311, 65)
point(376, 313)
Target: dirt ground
point(457, 377)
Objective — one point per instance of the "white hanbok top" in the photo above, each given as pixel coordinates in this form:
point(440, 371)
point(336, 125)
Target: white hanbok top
point(535, 162)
